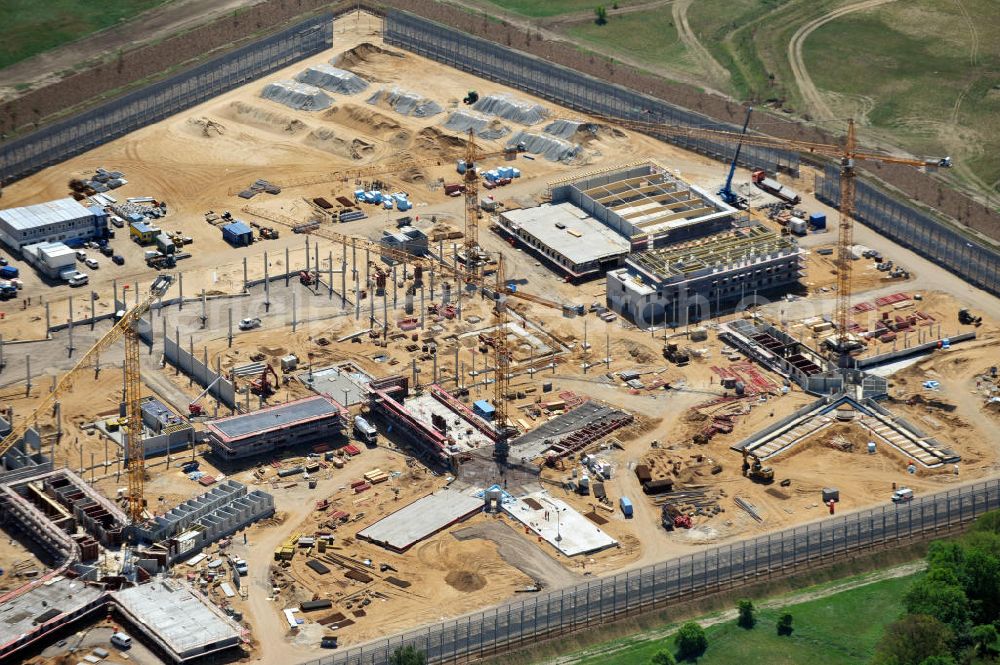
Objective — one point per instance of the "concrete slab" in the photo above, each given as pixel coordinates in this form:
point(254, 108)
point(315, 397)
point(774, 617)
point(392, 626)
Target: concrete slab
point(32, 611)
point(182, 622)
point(422, 518)
point(336, 379)
point(563, 527)
point(465, 435)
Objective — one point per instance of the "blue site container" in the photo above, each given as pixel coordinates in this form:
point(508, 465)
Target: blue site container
point(626, 506)
point(8, 272)
point(817, 220)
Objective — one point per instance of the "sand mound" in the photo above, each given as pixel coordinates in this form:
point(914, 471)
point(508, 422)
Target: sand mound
point(369, 122)
point(431, 141)
point(362, 53)
point(326, 139)
point(484, 127)
point(465, 580)
point(552, 148)
point(296, 95)
point(271, 120)
point(331, 78)
point(512, 108)
point(405, 102)
point(206, 127)
point(582, 132)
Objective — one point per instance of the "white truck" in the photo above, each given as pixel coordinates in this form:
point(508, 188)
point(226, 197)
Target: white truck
point(365, 431)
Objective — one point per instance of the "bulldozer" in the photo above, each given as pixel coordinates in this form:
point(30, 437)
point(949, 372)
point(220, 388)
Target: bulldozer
point(755, 471)
point(470, 98)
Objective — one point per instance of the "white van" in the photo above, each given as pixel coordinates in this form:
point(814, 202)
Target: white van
point(79, 279)
point(902, 495)
point(121, 640)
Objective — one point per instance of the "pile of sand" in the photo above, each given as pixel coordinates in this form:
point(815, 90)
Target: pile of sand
point(484, 127)
point(362, 53)
point(265, 119)
point(331, 78)
point(326, 139)
point(206, 126)
point(512, 108)
point(552, 148)
point(297, 95)
point(405, 102)
point(432, 142)
point(580, 131)
point(369, 122)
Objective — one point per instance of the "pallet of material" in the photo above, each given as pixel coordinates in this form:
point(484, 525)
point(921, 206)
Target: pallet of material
point(337, 618)
point(313, 605)
point(344, 201)
point(395, 581)
point(643, 474)
point(317, 566)
point(322, 203)
point(374, 473)
point(357, 483)
point(595, 518)
point(358, 576)
point(362, 488)
point(352, 450)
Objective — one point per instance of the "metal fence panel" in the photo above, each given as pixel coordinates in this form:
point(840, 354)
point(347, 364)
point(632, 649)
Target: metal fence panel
point(57, 142)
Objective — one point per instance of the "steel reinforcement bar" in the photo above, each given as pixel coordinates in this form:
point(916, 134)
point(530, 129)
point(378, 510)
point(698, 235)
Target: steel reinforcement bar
point(595, 602)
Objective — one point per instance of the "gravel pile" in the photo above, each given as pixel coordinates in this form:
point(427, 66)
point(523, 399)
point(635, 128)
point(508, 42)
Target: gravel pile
point(512, 108)
point(485, 127)
point(552, 148)
point(333, 79)
point(406, 103)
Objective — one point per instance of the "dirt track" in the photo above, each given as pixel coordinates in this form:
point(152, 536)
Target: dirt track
point(712, 68)
point(811, 95)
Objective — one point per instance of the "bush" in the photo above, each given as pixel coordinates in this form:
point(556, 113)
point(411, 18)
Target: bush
point(746, 618)
point(912, 640)
point(663, 657)
point(602, 15)
point(407, 656)
point(785, 624)
point(690, 640)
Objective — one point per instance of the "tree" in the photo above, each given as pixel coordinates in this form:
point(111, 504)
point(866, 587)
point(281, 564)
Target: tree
point(785, 624)
point(938, 594)
point(602, 15)
point(938, 660)
point(407, 656)
point(690, 640)
point(984, 638)
point(911, 640)
point(663, 657)
point(746, 618)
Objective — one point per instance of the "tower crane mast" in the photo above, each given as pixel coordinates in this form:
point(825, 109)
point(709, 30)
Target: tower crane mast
point(124, 327)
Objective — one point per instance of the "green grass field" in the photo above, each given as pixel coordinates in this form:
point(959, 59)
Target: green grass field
point(841, 629)
point(30, 27)
point(546, 8)
point(647, 36)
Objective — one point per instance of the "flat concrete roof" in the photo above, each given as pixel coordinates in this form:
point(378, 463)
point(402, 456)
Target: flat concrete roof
point(465, 435)
point(184, 623)
point(565, 529)
point(274, 418)
point(42, 214)
point(336, 379)
point(20, 609)
point(595, 242)
point(422, 519)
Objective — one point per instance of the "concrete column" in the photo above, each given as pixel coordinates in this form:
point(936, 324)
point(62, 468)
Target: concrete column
point(456, 367)
point(267, 285)
point(180, 288)
point(414, 370)
point(2, 363)
point(93, 313)
point(354, 262)
point(371, 307)
point(48, 322)
point(70, 346)
point(204, 309)
point(394, 299)
point(385, 324)
point(294, 312)
point(307, 253)
point(423, 307)
point(136, 292)
point(27, 372)
point(114, 293)
point(329, 278)
point(164, 319)
point(357, 302)
point(368, 265)
point(288, 267)
point(191, 366)
point(435, 375)
point(343, 283)
point(432, 282)
point(246, 279)
point(230, 327)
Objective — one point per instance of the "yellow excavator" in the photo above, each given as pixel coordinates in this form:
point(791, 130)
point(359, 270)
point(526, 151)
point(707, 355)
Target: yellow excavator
point(755, 471)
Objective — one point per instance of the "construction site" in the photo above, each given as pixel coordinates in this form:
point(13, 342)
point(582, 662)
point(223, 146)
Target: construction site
point(426, 343)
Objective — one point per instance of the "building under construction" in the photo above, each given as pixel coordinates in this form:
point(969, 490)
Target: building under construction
point(697, 278)
point(304, 421)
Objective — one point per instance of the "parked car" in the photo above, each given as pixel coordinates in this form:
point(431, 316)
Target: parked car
point(3, 261)
point(81, 255)
point(121, 640)
point(118, 260)
point(92, 264)
point(249, 324)
point(902, 495)
point(118, 221)
point(79, 279)
point(107, 250)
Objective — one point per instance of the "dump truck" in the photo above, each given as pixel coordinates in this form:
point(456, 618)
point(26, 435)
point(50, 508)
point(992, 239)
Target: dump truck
point(775, 188)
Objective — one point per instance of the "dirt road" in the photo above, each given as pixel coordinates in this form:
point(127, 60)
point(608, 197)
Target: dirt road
point(810, 94)
point(525, 556)
point(171, 17)
point(716, 72)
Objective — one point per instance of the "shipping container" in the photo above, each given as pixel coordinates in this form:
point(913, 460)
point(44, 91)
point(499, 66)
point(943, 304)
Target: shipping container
point(626, 506)
point(658, 486)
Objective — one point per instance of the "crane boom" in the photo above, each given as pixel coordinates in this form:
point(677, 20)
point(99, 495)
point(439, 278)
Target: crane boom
point(125, 327)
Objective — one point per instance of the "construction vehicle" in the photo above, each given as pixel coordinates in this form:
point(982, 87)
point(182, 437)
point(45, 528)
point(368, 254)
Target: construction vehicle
point(967, 318)
point(727, 193)
point(307, 277)
point(470, 98)
point(775, 188)
point(755, 471)
point(261, 386)
point(268, 233)
point(195, 409)
point(125, 326)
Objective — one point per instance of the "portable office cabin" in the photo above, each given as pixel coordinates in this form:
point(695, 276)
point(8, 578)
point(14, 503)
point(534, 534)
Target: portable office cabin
point(237, 234)
point(483, 409)
point(143, 233)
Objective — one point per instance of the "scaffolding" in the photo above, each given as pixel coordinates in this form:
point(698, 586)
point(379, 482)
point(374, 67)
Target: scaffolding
point(715, 251)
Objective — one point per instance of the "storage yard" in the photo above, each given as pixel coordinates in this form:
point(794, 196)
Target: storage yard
point(356, 421)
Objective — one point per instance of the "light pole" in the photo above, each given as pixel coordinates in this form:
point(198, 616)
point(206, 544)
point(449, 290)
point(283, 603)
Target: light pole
point(558, 520)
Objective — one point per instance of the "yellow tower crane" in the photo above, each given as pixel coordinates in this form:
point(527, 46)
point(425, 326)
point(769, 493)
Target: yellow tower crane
point(125, 326)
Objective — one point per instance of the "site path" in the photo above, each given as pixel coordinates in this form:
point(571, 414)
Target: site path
point(810, 93)
point(719, 74)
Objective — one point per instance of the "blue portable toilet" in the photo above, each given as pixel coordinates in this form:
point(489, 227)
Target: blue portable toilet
point(817, 220)
point(483, 409)
point(237, 234)
point(359, 195)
